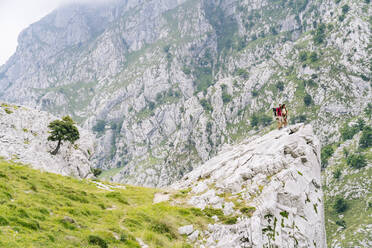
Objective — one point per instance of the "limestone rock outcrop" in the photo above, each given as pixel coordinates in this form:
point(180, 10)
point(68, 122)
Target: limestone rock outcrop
point(165, 83)
point(23, 138)
point(277, 177)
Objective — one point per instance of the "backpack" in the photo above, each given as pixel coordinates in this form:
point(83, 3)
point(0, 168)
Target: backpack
point(278, 112)
point(274, 110)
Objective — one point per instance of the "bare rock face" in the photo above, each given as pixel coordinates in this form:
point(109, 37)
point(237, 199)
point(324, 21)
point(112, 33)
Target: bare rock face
point(278, 177)
point(23, 138)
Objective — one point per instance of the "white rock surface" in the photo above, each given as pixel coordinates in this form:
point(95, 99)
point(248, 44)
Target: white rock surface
point(160, 197)
point(279, 175)
point(23, 138)
point(186, 229)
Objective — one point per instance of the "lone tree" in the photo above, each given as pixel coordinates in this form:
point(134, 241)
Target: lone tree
point(63, 130)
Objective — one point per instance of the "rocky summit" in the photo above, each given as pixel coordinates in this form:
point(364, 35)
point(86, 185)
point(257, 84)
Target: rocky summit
point(271, 183)
point(23, 138)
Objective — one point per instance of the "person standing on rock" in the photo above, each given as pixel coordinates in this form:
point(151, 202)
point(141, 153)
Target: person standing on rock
point(279, 118)
point(284, 115)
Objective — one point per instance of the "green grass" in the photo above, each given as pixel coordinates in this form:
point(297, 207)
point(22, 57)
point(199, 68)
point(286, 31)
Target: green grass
point(106, 174)
point(347, 230)
point(39, 209)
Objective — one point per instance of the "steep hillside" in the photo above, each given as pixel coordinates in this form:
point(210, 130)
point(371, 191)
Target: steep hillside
point(264, 192)
point(348, 189)
point(46, 210)
point(24, 138)
point(271, 183)
point(164, 83)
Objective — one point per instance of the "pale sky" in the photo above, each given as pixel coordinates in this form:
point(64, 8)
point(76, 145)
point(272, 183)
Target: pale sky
point(16, 15)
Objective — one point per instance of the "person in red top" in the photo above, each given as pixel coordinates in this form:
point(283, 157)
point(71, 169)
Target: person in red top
point(279, 117)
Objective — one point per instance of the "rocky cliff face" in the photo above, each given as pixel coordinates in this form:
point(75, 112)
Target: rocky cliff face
point(23, 138)
point(271, 183)
point(165, 84)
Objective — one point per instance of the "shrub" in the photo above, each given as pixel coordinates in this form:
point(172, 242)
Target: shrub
point(341, 223)
point(96, 171)
point(100, 126)
point(326, 152)
point(186, 70)
point(337, 174)
point(280, 85)
point(368, 110)
point(361, 123)
point(248, 210)
point(265, 120)
point(254, 93)
point(346, 152)
point(206, 105)
point(254, 120)
point(226, 97)
point(366, 138)
point(163, 228)
point(242, 73)
point(313, 56)
point(308, 100)
point(348, 132)
point(319, 34)
point(8, 111)
point(365, 78)
point(151, 105)
point(230, 221)
point(345, 9)
point(341, 18)
point(356, 161)
point(273, 30)
point(340, 205)
point(303, 56)
point(96, 240)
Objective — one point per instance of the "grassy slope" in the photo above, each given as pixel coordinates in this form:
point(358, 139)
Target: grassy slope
point(34, 204)
point(359, 210)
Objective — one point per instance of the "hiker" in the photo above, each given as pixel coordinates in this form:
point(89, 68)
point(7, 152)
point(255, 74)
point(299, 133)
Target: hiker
point(278, 116)
point(284, 115)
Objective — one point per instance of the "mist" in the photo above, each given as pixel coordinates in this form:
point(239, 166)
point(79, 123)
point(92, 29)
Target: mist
point(16, 15)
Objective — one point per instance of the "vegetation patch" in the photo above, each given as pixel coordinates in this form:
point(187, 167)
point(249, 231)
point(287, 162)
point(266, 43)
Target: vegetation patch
point(97, 217)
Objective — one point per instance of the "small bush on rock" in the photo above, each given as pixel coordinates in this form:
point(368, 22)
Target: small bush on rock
point(341, 223)
point(366, 138)
point(356, 161)
point(96, 240)
point(308, 100)
point(326, 153)
point(340, 205)
point(96, 172)
point(337, 174)
point(348, 132)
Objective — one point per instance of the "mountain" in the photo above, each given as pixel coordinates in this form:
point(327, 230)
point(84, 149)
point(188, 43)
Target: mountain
point(263, 192)
point(23, 138)
point(275, 180)
point(165, 83)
